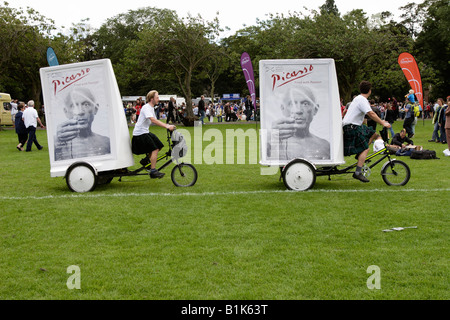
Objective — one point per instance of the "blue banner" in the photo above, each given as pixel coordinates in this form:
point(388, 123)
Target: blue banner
point(51, 57)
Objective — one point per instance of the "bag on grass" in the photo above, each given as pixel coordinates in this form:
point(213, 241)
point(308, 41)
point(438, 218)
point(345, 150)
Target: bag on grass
point(423, 154)
point(403, 152)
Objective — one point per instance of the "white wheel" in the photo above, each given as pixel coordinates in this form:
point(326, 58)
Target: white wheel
point(299, 175)
point(81, 177)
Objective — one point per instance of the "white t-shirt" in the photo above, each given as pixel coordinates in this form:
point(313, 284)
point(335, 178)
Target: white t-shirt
point(356, 112)
point(143, 124)
point(29, 117)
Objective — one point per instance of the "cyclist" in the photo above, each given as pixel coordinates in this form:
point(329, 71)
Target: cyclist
point(358, 137)
point(145, 142)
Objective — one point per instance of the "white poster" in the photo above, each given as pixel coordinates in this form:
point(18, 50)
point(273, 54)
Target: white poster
point(300, 112)
point(84, 116)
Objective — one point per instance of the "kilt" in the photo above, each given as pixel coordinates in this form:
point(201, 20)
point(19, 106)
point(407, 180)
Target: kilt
point(356, 139)
point(145, 144)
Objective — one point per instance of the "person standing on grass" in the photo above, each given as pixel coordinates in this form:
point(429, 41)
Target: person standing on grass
point(390, 117)
point(21, 130)
point(30, 118)
point(437, 108)
point(201, 109)
point(145, 142)
point(441, 121)
point(447, 122)
point(172, 110)
point(358, 137)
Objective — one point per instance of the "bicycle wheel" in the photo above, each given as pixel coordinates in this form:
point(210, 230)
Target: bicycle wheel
point(299, 175)
point(81, 177)
point(396, 173)
point(184, 175)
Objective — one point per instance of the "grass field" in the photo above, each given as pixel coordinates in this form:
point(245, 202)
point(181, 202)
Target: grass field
point(235, 235)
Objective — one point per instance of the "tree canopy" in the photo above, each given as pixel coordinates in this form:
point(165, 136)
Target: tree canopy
point(153, 48)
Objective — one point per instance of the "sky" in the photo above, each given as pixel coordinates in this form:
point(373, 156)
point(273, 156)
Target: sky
point(232, 13)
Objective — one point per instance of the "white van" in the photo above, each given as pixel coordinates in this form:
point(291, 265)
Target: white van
point(5, 108)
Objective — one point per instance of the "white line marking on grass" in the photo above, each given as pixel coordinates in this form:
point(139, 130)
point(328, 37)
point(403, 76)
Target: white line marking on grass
point(203, 194)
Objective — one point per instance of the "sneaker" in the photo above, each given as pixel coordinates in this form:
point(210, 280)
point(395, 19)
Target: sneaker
point(145, 162)
point(361, 178)
point(40, 148)
point(157, 175)
point(431, 141)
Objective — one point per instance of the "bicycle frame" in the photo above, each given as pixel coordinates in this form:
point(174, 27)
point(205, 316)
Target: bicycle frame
point(167, 156)
point(329, 171)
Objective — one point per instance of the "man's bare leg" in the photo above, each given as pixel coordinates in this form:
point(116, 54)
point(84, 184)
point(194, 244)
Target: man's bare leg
point(154, 158)
point(155, 174)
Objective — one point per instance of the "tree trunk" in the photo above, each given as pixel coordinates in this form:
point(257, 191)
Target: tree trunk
point(213, 87)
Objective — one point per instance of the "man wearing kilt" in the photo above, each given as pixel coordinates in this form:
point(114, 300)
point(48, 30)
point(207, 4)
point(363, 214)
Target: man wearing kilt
point(358, 137)
point(145, 142)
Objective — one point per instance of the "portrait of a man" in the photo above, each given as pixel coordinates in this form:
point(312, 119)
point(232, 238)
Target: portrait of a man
point(291, 135)
point(74, 137)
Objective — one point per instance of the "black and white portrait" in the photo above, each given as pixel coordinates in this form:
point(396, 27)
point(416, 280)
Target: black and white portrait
point(291, 132)
point(75, 137)
point(297, 111)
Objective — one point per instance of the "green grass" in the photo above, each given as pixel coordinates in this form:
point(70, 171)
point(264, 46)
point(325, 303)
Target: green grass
point(234, 235)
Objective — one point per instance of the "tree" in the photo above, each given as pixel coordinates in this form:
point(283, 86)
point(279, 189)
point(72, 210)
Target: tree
point(413, 17)
point(24, 38)
point(215, 67)
point(432, 46)
point(329, 7)
point(347, 40)
point(179, 46)
point(120, 34)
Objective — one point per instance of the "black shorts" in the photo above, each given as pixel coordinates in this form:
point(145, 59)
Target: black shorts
point(145, 144)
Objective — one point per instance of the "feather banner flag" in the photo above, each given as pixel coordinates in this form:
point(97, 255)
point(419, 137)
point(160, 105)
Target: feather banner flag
point(412, 74)
point(51, 57)
point(247, 67)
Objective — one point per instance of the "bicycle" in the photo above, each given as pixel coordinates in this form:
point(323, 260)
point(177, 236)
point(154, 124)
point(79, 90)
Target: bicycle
point(300, 174)
point(82, 177)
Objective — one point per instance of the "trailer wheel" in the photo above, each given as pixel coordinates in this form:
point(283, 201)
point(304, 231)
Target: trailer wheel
point(299, 175)
point(81, 177)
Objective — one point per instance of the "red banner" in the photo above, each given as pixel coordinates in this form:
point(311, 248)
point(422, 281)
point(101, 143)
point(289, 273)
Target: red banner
point(412, 73)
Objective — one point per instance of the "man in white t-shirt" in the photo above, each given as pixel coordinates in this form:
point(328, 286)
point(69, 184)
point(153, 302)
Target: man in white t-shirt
point(145, 142)
point(358, 137)
point(30, 118)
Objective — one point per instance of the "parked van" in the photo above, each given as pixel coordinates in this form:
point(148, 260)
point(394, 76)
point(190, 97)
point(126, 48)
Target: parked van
point(5, 109)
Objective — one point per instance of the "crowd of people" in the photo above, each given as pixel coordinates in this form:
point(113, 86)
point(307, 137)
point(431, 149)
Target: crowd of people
point(409, 112)
point(222, 111)
point(26, 118)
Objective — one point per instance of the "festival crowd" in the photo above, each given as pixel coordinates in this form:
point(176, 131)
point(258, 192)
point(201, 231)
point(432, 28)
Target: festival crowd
point(223, 111)
point(410, 111)
point(26, 118)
